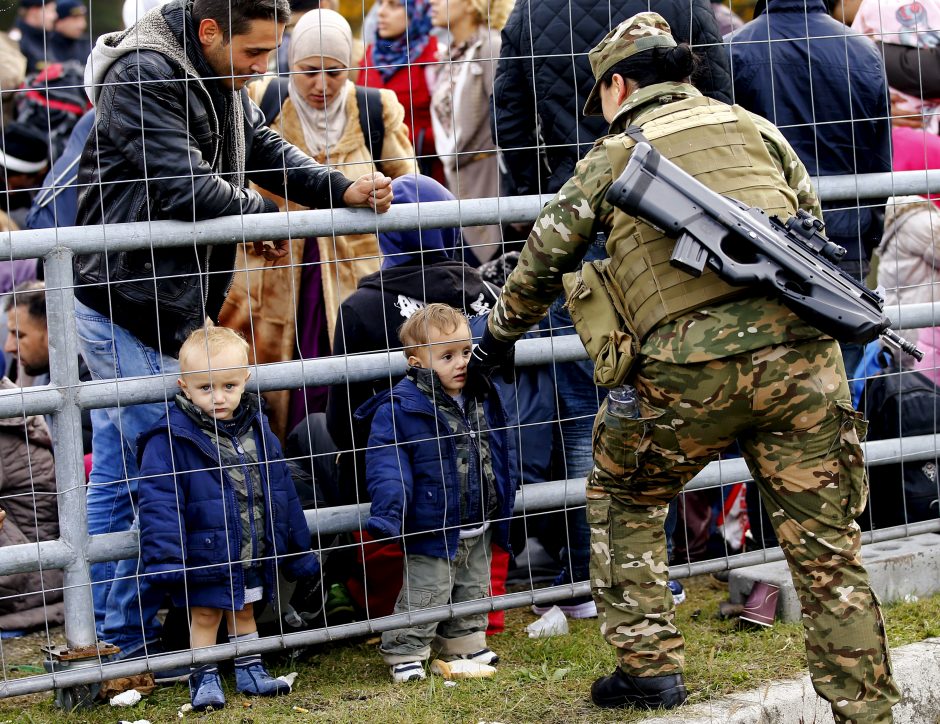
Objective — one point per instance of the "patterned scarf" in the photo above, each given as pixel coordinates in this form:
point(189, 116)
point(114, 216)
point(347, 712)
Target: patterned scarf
point(391, 56)
point(471, 436)
point(238, 456)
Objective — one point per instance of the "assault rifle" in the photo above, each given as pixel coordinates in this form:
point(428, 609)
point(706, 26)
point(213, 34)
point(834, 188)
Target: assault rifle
point(793, 260)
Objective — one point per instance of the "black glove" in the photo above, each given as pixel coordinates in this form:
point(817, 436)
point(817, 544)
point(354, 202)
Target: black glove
point(488, 358)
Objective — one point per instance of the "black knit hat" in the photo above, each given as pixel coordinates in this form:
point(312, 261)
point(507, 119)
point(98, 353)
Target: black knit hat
point(67, 8)
point(23, 149)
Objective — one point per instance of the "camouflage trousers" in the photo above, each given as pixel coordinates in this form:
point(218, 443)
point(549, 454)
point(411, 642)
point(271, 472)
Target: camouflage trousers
point(788, 406)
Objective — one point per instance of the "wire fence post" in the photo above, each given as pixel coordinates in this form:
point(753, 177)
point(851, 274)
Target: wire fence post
point(69, 460)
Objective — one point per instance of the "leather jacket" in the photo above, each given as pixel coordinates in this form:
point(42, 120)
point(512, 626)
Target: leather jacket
point(162, 148)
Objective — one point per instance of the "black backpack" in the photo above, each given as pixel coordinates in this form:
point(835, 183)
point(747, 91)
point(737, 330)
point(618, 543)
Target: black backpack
point(901, 404)
point(370, 112)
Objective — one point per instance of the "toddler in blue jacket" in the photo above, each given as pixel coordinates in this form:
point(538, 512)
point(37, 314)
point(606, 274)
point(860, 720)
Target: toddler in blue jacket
point(219, 515)
point(439, 472)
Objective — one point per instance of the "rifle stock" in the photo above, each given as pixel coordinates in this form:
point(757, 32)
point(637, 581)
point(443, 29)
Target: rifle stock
point(745, 247)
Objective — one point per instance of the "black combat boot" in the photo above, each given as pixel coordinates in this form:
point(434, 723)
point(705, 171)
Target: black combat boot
point(643, 692)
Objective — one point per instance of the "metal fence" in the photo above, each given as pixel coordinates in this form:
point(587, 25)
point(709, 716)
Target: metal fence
point(65, 397)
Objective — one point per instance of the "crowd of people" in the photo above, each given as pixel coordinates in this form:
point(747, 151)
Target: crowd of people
point(205, 109)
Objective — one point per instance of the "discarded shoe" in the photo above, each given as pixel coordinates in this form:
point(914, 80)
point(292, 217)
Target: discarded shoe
point(678, 592)
point(647, 692)
point(408, 671)
point(577, 607)
point(205, 689)
point(254, 680)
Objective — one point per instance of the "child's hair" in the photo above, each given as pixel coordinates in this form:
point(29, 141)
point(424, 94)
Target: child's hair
point(209, 341)
point(415, 331)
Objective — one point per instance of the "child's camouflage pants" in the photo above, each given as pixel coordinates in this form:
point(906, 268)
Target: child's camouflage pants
point(788, 407)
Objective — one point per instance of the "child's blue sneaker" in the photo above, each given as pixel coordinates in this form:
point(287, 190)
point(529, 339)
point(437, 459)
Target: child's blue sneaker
point(254, 680)
point(678, 592)
point(205, 689)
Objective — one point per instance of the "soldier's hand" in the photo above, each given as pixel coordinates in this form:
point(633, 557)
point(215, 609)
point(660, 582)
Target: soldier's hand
point(373, 190)
point(489, 357)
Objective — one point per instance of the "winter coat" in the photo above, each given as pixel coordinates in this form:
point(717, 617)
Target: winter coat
point(829, 99)
point(413, 90)
point(170, 145)
point(182, 493)
point(63, 48)
point(266, 297)
point(460, 114)
point(412, 471)
point(28, 495)
point(33, 45)
point(539, 103)
point(908, 267)
point(369, 320)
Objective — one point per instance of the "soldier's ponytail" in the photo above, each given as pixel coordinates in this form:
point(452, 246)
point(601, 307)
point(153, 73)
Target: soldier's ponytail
point(657, 65)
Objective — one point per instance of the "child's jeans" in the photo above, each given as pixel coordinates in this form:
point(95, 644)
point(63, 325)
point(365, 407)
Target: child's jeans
point(430, 582)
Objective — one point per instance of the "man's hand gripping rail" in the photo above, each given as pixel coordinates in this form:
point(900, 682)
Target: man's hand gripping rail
point(745, 247)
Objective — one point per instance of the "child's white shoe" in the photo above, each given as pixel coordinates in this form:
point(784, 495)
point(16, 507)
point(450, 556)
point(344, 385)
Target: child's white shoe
point(483, 656)
point(408, 671)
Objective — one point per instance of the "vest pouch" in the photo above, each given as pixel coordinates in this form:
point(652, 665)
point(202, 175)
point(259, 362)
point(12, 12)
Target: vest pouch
point(594, 301)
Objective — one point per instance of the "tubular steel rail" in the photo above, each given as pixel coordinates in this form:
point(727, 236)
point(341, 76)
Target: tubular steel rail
point(66, 396)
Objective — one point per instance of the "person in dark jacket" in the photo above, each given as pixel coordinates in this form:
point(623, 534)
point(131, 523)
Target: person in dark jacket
point(177, 137)
point(219, 511)
point(823, 85)
point(32, 31)
point(69, 39)
point(544, 77)
point(441, 478)
point(417, 269)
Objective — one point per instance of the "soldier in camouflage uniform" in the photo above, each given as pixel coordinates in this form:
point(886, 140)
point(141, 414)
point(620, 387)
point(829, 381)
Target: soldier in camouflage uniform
point(715, 364)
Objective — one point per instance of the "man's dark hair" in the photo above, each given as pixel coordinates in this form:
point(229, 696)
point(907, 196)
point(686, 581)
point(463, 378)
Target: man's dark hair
point(234, 16)
point(31, 295)
point(657, 65)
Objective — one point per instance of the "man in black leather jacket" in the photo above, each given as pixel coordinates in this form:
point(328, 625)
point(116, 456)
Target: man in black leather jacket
point(176, 137)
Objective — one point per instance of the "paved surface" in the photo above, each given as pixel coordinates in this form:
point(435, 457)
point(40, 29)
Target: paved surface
point(916, 668)
point(896, 568)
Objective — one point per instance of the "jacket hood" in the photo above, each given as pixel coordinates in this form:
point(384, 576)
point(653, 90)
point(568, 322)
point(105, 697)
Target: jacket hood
point(406, 247)
point(151, 32)
point(451, 282)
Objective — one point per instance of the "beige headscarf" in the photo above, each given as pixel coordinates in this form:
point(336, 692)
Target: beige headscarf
point(321, 34)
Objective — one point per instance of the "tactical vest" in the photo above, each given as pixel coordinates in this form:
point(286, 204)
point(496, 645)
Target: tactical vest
point(719, 145)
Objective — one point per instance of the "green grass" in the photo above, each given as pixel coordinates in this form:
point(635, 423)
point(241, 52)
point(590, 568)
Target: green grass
point(542, 680)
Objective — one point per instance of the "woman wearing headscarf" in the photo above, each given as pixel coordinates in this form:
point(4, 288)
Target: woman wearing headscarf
point(286, 308)
point(460, 106)
point(401, 59)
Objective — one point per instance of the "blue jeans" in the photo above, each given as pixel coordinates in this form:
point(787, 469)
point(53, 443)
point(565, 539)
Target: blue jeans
point(129, 616)
point(578, 402)
point(110, 501)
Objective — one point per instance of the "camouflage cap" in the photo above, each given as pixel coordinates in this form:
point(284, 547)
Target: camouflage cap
point(634, 35)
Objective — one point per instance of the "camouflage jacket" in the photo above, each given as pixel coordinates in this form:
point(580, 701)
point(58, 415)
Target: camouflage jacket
point(569, 223)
